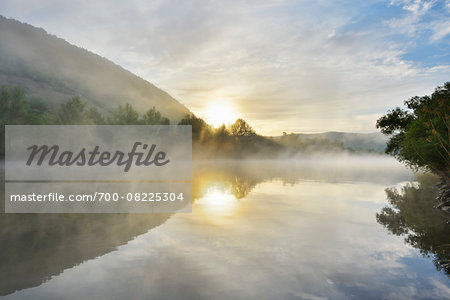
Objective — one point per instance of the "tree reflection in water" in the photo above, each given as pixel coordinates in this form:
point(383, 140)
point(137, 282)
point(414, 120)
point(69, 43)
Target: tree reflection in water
point(412, 214)
point(36, 247)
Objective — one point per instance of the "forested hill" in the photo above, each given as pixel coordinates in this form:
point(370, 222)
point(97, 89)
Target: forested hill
point(51, 70)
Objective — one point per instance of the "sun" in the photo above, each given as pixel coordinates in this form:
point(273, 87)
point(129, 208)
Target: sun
point(220, 112)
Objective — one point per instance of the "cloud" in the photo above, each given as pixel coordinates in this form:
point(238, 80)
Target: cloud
point(440, 30)
point(410, 23)
point(304, 66)
point(415, 21)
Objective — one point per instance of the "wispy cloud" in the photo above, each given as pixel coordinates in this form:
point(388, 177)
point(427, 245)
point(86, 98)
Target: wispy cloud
point(286, 65)
point(421, 19)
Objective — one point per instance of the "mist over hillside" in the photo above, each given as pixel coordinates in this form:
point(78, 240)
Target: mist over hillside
point(51, 71)
point(371, 142)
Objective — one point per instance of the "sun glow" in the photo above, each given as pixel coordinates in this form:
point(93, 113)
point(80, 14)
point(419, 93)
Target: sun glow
point(220, 112)
point(217, 202)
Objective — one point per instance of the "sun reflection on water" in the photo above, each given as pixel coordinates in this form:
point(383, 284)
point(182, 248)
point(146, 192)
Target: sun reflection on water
point(217, 201)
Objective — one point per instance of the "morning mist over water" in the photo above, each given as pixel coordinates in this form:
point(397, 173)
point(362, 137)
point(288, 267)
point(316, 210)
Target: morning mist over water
point(287, 222)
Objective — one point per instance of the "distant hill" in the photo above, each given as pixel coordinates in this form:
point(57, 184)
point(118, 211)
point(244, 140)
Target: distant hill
point(366, 142)
point(52, 70)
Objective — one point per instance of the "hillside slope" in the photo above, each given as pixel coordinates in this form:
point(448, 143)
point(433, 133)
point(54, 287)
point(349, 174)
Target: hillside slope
point(51, 69)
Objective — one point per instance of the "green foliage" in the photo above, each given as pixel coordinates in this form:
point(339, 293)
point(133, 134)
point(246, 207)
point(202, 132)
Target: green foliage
point(38, 105)
point(125, 115)
point(72, 112)
point(419, 135)
point(94, 116)
point(15, 109)
point(154, 117)
point(14, 106)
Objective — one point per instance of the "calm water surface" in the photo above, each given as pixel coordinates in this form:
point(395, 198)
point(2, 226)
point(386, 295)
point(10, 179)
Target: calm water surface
point(259, 230)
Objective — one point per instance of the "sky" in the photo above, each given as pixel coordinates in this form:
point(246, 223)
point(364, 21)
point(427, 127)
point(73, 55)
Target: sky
point(284, 66)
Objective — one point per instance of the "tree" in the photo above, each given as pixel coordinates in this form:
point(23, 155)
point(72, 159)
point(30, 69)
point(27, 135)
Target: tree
point(13, 106)
point(125, 115)
point(15, 110)
point(72, 112)
point(241, 128)
point(419, 134)
point(221, 133)
point(95, 117)
point(201, 131)
point(154, 117)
